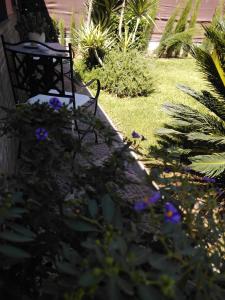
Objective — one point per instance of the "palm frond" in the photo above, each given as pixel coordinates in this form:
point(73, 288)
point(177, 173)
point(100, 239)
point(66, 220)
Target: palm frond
point(179, 37)
point(214, 104)
point(211, 165)
point(209, 70)
point(200, 138)
point(191, 119)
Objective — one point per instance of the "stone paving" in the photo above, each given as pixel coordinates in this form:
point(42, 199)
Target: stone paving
point(138, 187)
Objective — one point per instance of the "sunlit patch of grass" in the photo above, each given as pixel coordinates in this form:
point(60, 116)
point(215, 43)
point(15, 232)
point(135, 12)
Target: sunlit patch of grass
point(145, 114)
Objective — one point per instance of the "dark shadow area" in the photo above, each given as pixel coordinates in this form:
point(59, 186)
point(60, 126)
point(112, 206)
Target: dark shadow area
point(38, 7)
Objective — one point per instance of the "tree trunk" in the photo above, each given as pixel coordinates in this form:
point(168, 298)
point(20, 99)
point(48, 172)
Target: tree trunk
point(90, 6)
point(121, 18)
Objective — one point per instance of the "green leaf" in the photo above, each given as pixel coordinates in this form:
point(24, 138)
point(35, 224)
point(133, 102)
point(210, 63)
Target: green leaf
point(82, 226)
point(93, 207)
point(17, 197)
point(125, 286)
point(140, 255)
point(149, 293)
point(14, 237)
point(88, 279)
point(118, 220)
point(108, 208)
point(23, 230)
point(119, 243)
point(14, 252)
point(211, 165)
point(16, 212)
point(66, 268)
point(163, 263)
point(113, 289)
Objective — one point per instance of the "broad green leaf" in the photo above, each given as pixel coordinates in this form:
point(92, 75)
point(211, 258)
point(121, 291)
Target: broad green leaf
point(149, 293)
point(16, 212)
point(23, 230)
point(140, 255)
point(211, 165)
point(88, 279)
point(93, 207)
point(66, 268)
point(69, 253)
point(14, 237)
point(113, 289)
point(14, 252)
point(125, 286)
point(79, 225)
point(17, 197)
point(108, 208)
point(163, 263)
point(118, 220)
point(119, 243)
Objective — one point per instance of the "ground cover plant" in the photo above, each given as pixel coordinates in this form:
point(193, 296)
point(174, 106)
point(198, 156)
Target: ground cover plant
point(67, 234)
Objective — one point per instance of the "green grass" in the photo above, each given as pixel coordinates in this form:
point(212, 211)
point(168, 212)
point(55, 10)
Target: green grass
point(145, 114)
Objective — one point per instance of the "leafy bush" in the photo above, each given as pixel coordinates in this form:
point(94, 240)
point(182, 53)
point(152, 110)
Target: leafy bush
point(124, 74)
point(93, 244)
point(68, 234)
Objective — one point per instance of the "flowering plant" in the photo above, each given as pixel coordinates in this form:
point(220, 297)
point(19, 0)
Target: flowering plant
point(66, 233)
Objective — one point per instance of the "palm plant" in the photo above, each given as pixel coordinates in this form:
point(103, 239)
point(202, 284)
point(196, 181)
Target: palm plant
point(200, 135)
point(139, 10)
point(103, 10)
point(161, 50)
point(178, 36)
point(93, 42)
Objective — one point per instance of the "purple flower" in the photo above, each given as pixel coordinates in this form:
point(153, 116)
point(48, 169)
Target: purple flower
point(167, 170)
point(208, 179)
point(135, 135)
point(187, 169)
point(41, 134)
point(141, 205)
point(155, 197)
point(172, 215)
point(55, 103)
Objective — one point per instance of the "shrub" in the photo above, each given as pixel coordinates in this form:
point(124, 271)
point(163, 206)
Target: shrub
point(125, 74)
point(91, 244)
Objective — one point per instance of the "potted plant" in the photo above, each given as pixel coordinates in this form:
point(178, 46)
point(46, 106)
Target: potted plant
point(32, 26)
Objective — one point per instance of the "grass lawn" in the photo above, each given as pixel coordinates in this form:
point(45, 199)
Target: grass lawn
point(145, 114)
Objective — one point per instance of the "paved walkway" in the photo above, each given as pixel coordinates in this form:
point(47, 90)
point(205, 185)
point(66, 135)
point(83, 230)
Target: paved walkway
point(138, 187)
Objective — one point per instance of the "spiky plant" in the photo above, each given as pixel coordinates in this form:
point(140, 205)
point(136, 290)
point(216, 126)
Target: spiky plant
point(103, 11)
point(62, 32)
point(182, 26)
point(218, 15)
point(168, 30)
point(178, 36)
point(201, 134)
point(140, 10)
point(73, 30)
point(93, 42)
point(192, 25)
